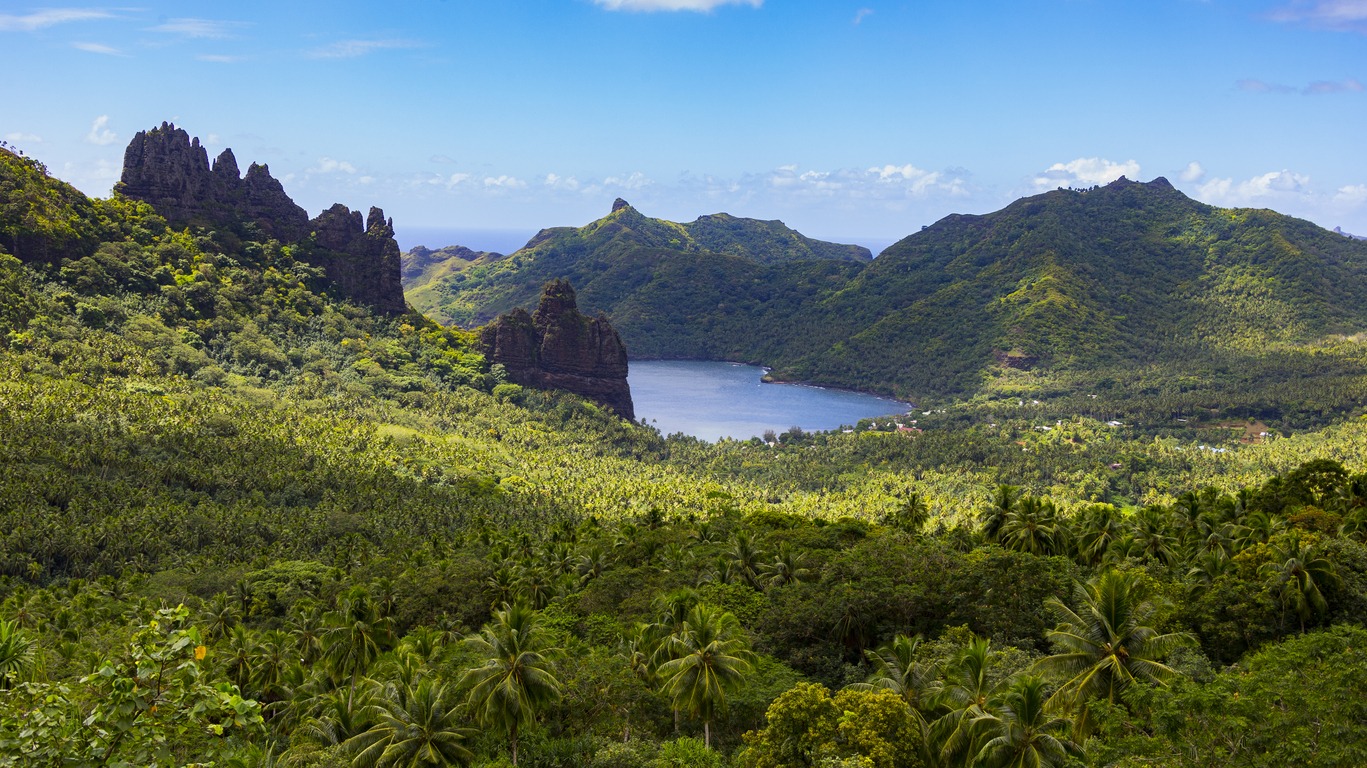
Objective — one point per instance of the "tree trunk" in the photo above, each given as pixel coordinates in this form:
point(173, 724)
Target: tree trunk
point(707, 733)
point(512, 736)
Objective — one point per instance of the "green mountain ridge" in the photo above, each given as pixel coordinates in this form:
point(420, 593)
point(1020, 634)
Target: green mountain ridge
point(1054, 294)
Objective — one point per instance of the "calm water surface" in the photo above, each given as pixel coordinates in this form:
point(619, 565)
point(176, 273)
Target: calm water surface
point(713, 400)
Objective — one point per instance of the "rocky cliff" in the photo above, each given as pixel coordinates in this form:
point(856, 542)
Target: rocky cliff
point(170, 170)
point(558, 347)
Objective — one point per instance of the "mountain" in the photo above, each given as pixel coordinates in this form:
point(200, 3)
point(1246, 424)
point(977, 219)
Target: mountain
point(694, 290)
point(1073, 282)
point(1131, 287)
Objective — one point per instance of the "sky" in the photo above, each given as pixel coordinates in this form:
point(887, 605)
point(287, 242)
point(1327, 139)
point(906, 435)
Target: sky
point(861, 121)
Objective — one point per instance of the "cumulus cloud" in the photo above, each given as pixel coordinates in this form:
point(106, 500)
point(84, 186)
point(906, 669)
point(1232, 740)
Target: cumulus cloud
point(556, 181)
point(456, 179)
point(351, 49)
point(1354, 194)
point(1085, 171)
point(100, 134)
point(504, 182)
point(633, 180)
point(1255, 191)
point(1317, 88)
point(672, 5)
point(105, 50)
point(1193, 172)
point(40, 19)
point(200, 28)
point(329, 165)
point(1343, 15)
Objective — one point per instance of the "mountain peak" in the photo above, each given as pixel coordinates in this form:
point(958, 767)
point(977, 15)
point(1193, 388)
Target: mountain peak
point(619, 204)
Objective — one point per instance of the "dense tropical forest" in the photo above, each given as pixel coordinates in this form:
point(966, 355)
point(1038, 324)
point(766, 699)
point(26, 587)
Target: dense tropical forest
point(247, 521)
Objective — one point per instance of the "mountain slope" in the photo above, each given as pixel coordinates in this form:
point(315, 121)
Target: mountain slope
point(670, 288)
point(1131, 287)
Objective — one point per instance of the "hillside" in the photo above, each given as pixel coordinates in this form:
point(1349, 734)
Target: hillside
point(690, 290)
point(1130, 291)
point(248, 517)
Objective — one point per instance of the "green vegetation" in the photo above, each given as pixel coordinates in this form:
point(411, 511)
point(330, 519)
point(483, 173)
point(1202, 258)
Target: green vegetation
point(246, 523)
point(1128, 301)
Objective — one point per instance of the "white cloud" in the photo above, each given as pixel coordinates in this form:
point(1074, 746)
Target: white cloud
point(27, 138)
point(504, 182)
point(350, 49)
point(1193, 172)
point(1344, 15)
point(98, 48)
point(1262, 189)
point(41, 19)
point(672, 5)
point(633, 180)
point(328, 165)
point(556, 181)
point(200, 28)
point(457, 179)
point(216, 58)
point(99, 132)
point(1085, 171)
point(1355, 194)
point(861, 14)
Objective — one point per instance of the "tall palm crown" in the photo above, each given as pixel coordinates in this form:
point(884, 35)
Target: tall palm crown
point(711, 657)
point(1022, 732)
point(896, 669)
point(1107, 643)
point(413, 726)
point(516, 678)
point(1300, 572)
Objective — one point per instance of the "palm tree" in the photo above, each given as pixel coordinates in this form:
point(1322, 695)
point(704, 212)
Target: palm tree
point(896, 669)
point(967, 695)
point(1023, 734)
point(1031, 527)
point(1299, 572)
point(1150, 535)
point(911, 515)
point(414, 726)
point(1102, 526)
point(710, 659)
point(993, 516)
point(786, 567)
point(353, 637)
point(1107, 643)
point(745, 559)
point(516, 679)
point(16, 653)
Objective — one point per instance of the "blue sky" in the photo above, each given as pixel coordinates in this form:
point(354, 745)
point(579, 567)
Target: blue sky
point(863, 119)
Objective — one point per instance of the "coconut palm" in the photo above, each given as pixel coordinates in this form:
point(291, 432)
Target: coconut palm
point(1022, 734)
point(1300, 573)
point(515, 680)
point(413, 726)
point(786, 567)
point(1031, 527)
point(896, 669)
point(993, 516)
point(16, 653)
point(1107, 643)
point(967, 695)
point(1102, 525)
point(711, 658)
point(354, 636)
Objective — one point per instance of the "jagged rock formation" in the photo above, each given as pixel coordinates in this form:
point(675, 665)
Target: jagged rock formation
point(361, 260)
point(560, 348)
point(170, 170)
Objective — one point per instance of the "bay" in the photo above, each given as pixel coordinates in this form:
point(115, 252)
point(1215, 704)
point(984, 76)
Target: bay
point(712, 400)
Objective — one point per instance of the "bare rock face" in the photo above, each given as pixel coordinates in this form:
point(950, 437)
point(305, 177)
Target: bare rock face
point(361, 260)
point(170, 170)
point(559, 348)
